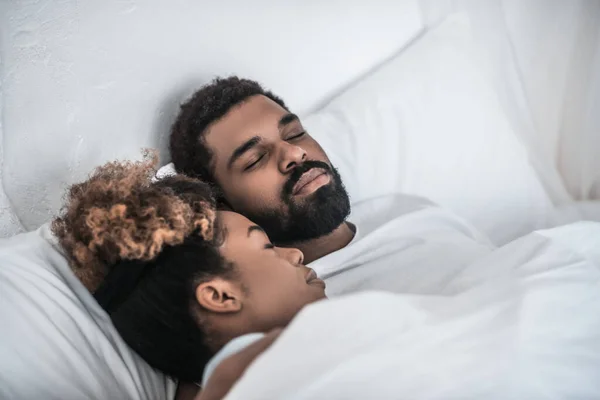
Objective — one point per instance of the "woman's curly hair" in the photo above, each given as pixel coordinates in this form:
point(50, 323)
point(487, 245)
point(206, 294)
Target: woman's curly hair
point(142, 248)
point(119, 214)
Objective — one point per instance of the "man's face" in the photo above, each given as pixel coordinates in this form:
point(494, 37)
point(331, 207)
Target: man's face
point(274, 173)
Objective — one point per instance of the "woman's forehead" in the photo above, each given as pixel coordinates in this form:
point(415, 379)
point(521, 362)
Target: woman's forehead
point(235, 225)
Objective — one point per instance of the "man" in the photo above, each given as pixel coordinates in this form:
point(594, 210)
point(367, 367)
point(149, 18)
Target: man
point(244, 140)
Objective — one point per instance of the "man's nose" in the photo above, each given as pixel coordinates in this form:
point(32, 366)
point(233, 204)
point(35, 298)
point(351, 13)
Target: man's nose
point(290, 157)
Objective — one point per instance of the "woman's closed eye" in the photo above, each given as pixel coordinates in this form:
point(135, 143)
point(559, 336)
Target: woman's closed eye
point(269, 246)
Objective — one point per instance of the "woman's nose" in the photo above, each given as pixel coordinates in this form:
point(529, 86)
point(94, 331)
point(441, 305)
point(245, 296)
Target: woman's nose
point(292, 255)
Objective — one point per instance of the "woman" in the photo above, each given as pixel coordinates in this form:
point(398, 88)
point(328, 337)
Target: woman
point(178, 279)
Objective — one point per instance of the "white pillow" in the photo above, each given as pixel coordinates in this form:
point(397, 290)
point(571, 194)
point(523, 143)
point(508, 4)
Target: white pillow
point(429, 123)
point(56, 342)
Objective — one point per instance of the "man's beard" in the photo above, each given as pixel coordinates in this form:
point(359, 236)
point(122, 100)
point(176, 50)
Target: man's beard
point(310, 218)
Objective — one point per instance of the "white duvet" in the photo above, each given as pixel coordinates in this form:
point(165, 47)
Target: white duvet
point(520, 323)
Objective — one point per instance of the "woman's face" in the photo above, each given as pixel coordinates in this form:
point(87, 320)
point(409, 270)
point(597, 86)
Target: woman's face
point(275, 283)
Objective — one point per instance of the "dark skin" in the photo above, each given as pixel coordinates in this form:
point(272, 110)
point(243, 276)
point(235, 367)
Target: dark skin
point(256, 146)
point(270, 287)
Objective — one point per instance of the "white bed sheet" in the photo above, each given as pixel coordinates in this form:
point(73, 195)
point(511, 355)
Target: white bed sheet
point(520, 323)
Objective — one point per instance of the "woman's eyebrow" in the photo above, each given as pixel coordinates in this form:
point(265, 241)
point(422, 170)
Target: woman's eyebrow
point(253, 228)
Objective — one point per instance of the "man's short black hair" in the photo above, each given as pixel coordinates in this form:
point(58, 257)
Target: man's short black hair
point(189, 152)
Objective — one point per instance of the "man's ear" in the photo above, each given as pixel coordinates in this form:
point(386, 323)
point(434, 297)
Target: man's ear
point(219, 295)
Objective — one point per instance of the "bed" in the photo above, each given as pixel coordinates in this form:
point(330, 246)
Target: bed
point(471, 105)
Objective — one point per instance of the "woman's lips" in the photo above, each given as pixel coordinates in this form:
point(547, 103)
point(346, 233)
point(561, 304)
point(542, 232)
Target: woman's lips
point(313, 279)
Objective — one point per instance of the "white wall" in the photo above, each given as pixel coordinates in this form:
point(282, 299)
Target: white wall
point(89, 81)
point(9, 223)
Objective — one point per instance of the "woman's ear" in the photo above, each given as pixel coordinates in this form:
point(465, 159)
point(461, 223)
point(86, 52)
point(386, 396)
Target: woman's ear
point(219, 295)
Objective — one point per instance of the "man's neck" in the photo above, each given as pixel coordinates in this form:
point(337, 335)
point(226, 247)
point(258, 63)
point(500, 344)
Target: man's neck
point(317, 248)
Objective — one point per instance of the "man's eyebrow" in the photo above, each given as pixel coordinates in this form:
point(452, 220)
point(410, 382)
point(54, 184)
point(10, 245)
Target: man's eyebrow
point(241, 149)
point(253, 228)
point(287, 119)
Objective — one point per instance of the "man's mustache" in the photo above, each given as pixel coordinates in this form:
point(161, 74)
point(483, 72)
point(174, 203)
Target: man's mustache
point(297, 173)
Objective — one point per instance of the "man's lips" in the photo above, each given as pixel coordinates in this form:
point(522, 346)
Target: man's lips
point(307, 178)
